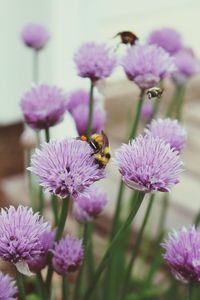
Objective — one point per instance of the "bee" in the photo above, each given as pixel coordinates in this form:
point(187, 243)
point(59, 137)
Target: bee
point(127, 37)
point(154, 92)
point(100, 145)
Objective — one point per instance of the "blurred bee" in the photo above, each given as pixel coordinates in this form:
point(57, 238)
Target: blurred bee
point(100, 144)
point(127, 37)
point(154, 92)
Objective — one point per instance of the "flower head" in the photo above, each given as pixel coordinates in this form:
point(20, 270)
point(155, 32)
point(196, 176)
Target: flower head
point(80, 115)
point(146, 65)
point(66, 167)
point(8, 289)
point(43, 106)
point(40, 261)
point(20, 235)
point(95, 61)
point(148, 164)
point(35, 36)
point(170, 131)
point(67, 255)
point(167, 38)
point(183, 255)
point(76, 98)
point(89, 205)
point(186, 66)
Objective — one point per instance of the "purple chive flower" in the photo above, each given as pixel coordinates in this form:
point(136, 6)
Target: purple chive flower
point(182, 253)
point(167, 38)
point(8, 288)
point(147, 110)
point(66, 167)
point(43, 106)
point(94, 61)
point(20, 233)
point(146, 65)
point(76, 98)
point(186, 66)
point(89, 205)
point(35, 36)
point(80, 115)
point(148, 164)
point(67, 255)
point(40, 261)
point(170, 131)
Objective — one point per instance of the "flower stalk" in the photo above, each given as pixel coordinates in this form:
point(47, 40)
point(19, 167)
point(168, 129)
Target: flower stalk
point(113, 244)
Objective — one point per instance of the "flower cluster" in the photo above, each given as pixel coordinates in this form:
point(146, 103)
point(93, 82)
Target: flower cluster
point(148, 164)
point(170, 131)
point(66, 167)
point(8, 290)
point(35, 36)
point(67, 255)
point(78, 106)
point(182, 253)
point(43, 106)
point(20, 236)
point(89, 205)
point(94, 61)
point(167, 38)
point(186, 66)
point(146, 65)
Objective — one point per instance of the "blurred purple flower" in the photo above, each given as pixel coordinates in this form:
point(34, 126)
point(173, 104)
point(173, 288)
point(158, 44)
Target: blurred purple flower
point(95, 61)
point(186, 65)
point(43, 106)
point(80, 115)
point(67, 255)
point(35, 36)
point(20, 233)
point(89, 205)
point(147, 110)
point(146, 65)
point(167, 38)
point(170, 131)
point(76, 98)
point(8, 290)
point(40, 261)
point(66, 167)
point(183, 255)
point(148, 164)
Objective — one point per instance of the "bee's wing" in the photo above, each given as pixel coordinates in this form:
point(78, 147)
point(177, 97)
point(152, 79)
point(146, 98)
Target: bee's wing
point(105, 140)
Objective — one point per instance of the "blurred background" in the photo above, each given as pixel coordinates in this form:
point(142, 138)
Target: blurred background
point(73, 22)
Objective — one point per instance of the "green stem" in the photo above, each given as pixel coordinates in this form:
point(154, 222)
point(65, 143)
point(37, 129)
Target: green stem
point(41, 199)
point(121, 187)
point(137, 116)
point(47, 135)
point(175, 106)
point(155, 108)
point(90, 113)
point(59, 233)
point(191, 291)
point(77, 289)
point(117, 209)
point(180, 102)
point(197, 220)
point(41, 286)
point(65, 292)
point(112, 245)
point(54, 205)
point(35, 66)
point(63, 217)
point(20, 284)
point(137, 247)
